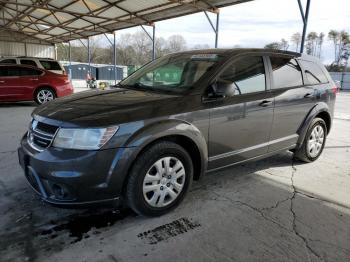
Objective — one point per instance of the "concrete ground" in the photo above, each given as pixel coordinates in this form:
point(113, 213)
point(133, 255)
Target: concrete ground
point(271, 210)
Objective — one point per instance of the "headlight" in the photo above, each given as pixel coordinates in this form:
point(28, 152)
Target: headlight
point(85, 139)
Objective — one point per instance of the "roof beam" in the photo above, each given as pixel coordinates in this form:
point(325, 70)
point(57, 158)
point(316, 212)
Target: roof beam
point(208, 8)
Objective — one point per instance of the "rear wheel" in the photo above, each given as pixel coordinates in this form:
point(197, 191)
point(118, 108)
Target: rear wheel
point(44, 95)
point(159, 179)
point(314, 141)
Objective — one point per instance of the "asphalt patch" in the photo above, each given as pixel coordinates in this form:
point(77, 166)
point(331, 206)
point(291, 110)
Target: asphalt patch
point(167, 231)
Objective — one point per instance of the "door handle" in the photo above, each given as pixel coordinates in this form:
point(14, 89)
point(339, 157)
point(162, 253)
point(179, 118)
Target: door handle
point(265, 103)
point(308, 95)
point(34, 79)
point(2, 81)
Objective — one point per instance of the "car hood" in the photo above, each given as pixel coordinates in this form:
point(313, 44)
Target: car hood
point(103, 108)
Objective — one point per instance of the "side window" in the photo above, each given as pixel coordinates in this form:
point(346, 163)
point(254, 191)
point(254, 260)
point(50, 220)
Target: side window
point(247, 75)
point(8, 61)
point(286, 72)
point(50, 65)
point(28, 62)
point(314, 74)
point(13, 71)
point(29, 72)
point(4, 71)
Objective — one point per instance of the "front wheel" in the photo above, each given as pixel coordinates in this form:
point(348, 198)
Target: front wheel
point(159, 179)
point(44, 95)
point(314, 141)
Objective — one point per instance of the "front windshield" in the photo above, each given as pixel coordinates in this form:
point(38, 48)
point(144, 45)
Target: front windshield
point(174, 73)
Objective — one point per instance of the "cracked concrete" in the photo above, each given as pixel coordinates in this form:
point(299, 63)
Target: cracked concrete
point(270, 210)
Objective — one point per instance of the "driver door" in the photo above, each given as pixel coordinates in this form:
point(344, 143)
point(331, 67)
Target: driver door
point(241, 119)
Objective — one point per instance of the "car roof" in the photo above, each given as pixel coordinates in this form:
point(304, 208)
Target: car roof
point(233, 51)
point(23, 66)
point(27, 57)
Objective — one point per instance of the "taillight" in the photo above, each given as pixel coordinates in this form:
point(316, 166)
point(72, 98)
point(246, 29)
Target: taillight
point(335, 89)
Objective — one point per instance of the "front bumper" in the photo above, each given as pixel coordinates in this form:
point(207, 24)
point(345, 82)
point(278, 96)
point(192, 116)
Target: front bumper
point(76, 177)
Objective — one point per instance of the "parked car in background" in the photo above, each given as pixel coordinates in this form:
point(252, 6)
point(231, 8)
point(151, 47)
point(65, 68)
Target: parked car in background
point(173, 120)
point(43, 63)
point(24, 83)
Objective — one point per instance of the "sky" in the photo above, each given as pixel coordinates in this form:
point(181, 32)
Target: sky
point(259, 22)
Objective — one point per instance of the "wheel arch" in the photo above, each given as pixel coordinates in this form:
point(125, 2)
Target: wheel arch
point(320, 110)
point(177, 131)
point(36, 90)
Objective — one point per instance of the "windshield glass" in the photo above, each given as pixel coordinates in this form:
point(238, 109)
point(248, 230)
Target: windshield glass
point(174, 73)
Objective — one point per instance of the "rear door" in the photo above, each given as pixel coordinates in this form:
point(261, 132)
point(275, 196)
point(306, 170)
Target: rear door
point(18, 83)
point(240, 123)
point(4, 88)
point(293, 101)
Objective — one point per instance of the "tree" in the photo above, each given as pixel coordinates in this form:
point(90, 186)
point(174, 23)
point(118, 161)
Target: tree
point(296, 38)
point(132, 49)
point(284, 44)
point(311, 43)
point(341, 45)
point(273, 45)
point(176, 43)
point(333, 35)
point(320, 41)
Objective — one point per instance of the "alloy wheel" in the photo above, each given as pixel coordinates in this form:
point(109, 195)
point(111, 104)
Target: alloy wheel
point(44, 96)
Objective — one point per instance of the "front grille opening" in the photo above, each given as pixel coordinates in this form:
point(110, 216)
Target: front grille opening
point(46, 128)
point(40, 135)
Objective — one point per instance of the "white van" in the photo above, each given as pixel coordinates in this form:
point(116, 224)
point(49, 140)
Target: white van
point(43, 63)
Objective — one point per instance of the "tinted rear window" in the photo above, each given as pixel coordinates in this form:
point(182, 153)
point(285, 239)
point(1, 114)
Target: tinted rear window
point(286, 72)
point(313, 73)
point(28, 62)
point(8, 61)
point(50, 65)
point(18, 71)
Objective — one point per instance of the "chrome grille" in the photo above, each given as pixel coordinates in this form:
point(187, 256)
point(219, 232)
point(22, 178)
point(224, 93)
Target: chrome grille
point(40, 135)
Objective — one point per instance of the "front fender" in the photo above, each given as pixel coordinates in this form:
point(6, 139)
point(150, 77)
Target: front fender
point(166, 128)
point(317, 109)
point(143, 134)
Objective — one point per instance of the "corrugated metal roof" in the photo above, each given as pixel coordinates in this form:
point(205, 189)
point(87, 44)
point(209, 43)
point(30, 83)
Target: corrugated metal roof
point(54, 21)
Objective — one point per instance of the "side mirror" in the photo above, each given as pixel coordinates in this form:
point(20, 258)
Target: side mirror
point(223, 88)
point(216, 92)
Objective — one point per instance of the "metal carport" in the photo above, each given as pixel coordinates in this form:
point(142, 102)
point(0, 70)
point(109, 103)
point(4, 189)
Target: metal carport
point(57, 21)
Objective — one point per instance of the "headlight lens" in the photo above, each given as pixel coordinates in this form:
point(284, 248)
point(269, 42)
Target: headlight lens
point(84, 139)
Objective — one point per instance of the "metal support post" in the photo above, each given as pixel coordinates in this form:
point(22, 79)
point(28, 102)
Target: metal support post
point(70, 61)
point(305, 17)
point(89, 56)
point(216, 27)
point(114, 59)
point(154, 43)
point(152, 37)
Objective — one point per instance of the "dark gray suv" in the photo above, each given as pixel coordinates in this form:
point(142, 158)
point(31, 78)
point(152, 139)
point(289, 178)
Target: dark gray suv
point(171, 121)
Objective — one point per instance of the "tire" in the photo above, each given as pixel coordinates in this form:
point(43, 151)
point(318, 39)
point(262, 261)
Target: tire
point(305, 152)
point(43, 95)
point(147, 173)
